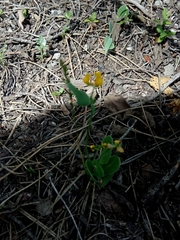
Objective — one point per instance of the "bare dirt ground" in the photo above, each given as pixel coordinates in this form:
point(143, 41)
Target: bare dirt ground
point(44, 191)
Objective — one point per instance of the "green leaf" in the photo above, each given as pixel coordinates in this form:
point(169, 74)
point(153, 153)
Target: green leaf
point(25, 13)
point(123, 11)
point(108, 139)
point(87, 20)
point(38, 48)
point(159, 29)
point(112, 166)
point(108, 44)
point(106, 179)
point(82, 97)
point(110, 27)
point(165, 15)
point(90, 170)
point(93, 16)
point(65, 70)
point(97, 169)
point(105, 156)
point(57, 94)
point(68, 15)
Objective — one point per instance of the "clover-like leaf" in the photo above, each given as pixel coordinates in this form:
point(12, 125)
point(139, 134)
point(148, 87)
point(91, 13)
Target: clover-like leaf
point(112, 166)
point(105, 155)
point(106, 179)
point(90, 170)
point(123, 11)
point(108, 44)
point(97, 169)
point(107, 139)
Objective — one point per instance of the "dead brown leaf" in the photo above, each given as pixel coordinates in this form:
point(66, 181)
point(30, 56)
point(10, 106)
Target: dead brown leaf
point(175, 105)
point(21, 18)
point(108, 201)
point(147, 58)
point(115, 103)
point(155, 81)
point(44, 207)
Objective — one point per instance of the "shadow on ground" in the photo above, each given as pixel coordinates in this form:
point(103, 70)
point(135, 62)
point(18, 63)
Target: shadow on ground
point(45, 194)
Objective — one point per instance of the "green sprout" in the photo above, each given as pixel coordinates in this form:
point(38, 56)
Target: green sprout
point(108, 44)
point(122, 18)
point(68, 16)
point(123, 15)
point(2, 51)
point(25, 13)
point(102, 169)
point(59, 93)
point(92, 18)
point(104, 164)
point(1, 11)
point(41, 47)
point(161, 27)
point(30, 170)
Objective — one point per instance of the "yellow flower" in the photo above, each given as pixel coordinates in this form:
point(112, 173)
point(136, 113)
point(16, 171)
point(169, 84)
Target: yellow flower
point(92, 147)
point(87, 79)
point(117, 142)
point(98, 80)
point(119, 149)
point(104, 145)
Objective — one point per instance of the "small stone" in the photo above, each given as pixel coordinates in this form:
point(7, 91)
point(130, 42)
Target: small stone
point(56, 56)
point(158, 3)
point(168, 70)
point(178, 5)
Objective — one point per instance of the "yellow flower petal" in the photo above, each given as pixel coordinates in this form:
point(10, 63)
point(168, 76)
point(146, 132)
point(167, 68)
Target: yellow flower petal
point(87, 78)
point(92, 147)
point(116, 142)
point(99, 80)
point(119, 149)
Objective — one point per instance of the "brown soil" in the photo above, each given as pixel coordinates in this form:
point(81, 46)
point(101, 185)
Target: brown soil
point(44, 190)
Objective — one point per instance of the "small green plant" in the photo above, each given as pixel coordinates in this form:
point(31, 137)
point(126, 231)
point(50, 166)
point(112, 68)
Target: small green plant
point(59, 93)
point(30, 170)
point(104, 164)
point(2, 51)
point(161, 27)
point(123, 15)
point(68, 16)
point(102, 168)
point(25, 13)
point(1, 11)
point(92, 18)
point(41, 47)
point(122, 18)
point(108, 44)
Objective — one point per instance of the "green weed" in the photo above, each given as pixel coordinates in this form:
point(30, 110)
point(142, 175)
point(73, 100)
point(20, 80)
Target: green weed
point(123, 17)
point(68, 16)
point(59, 93)
point(41, 47)
point(25, 13)
point(92, 19)
point(104, 164)
point(161, 27)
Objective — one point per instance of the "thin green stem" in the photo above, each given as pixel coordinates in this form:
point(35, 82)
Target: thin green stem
point(89, 123)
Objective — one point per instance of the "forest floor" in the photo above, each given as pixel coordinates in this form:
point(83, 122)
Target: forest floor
point(45, 192)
